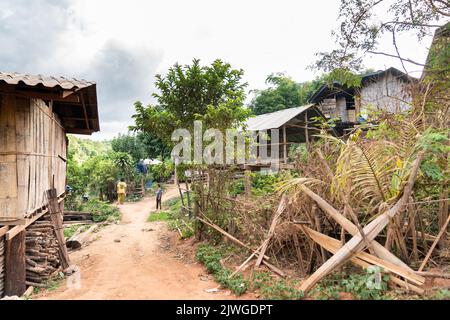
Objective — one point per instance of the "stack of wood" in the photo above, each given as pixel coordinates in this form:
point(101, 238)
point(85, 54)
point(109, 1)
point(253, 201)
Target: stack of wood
point(42, 253)
point(74, 217)
point(2, 265)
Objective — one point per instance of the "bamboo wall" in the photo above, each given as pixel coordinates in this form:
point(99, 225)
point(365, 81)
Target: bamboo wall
point(32, 149)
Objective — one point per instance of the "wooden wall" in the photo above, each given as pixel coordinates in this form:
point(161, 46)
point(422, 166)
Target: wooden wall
point(32, 155)
point(386, 93)
point(2, 265)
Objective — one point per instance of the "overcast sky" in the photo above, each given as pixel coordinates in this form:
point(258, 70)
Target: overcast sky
point(122, 44)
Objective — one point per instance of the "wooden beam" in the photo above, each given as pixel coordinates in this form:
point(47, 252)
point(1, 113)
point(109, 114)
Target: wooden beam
point(15, 268)
point(84, 111)
point(3, 230)
point(17, 229)
point(285, 145)
point(57, 220)
point(17, 222)
point(57, 96)
point(441, 232)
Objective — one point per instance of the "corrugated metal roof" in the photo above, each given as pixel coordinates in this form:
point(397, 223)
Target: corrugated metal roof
point(15, 78)
point(275, 119)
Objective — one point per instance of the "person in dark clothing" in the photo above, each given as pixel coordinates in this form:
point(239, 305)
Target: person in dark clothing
point(159, 193)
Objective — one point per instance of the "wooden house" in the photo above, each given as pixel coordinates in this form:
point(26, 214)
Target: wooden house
point(295, 126)
point(381, 90)
point(36, 113)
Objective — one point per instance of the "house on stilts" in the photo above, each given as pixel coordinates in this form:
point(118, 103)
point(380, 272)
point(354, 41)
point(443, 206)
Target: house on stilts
point(36, 113)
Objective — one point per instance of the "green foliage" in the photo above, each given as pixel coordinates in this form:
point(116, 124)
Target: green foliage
point(213, 94)
point(175, 218)
point(159, 216)
point(369, 286)
point(435, 165)
point(163, 171)
point(263, 184)
point(124, 163)
point(81, 150)
point(299, 152)
point(284, 93)
point(271, 289)
point(70, 230)
point(210, 256)
point(443, 294)
point(344, 77)
point(236, 187)
point(142, 145)
point(101, 211)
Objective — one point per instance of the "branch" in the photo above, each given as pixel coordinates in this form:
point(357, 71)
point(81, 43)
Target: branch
point(438, 10)
point(394, 42)
point(398, 57)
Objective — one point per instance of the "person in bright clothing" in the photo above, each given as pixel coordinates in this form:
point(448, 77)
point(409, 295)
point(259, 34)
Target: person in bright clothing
point(121, 191)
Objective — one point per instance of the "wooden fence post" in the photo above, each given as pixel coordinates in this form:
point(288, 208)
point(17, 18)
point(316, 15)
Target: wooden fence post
point(15, 268)
point(57, 220)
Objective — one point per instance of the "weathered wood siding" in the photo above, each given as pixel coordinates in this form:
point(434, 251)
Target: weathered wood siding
point(2, 265)
point(386, 93)
point(32, 149)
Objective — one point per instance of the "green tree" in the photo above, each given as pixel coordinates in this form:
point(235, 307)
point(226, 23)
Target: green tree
point(141, 145)
point(214, 94)
point(284, 93)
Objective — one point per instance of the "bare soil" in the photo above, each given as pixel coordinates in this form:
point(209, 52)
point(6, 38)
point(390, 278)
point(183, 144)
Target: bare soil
point(135, 259)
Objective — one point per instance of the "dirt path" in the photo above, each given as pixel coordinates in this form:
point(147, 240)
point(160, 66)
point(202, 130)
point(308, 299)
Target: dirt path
point(136, 267)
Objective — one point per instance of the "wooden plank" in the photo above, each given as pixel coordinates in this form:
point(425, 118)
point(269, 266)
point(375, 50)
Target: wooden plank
point(8, 163)
point(351, 228)
point(22, 143)
point(333, 245)
point(356, 244)
point(280, 210)
point(15, 271)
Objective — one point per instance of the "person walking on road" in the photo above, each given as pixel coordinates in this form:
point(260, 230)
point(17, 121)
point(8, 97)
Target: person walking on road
point(121, 191)
point(159, 193)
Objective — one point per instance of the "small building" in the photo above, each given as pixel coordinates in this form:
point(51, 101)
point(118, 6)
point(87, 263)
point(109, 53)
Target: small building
point(296, 125)
point(36, 113)
point(380, 90)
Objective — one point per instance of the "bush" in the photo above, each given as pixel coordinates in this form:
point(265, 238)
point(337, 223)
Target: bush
point(163, 171)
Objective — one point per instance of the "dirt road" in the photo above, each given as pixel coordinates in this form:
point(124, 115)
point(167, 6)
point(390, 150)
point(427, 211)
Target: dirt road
point(136, 267)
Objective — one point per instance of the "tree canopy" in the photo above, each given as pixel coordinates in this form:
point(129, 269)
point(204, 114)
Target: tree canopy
point(284, 93)
point(213, 94)
point(141, 145)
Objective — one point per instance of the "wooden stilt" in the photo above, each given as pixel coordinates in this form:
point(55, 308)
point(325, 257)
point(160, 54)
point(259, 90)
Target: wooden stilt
point(15, 271)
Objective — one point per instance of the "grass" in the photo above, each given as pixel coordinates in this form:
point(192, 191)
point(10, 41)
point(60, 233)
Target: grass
point(70, 230)
point(175, 217)
point(273, 288)
point(159, 216)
